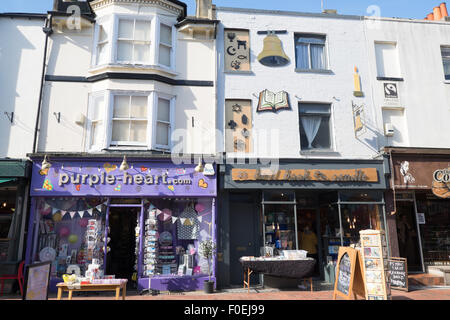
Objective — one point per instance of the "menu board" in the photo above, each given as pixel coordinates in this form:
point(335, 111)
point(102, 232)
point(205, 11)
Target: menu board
point(344, 275)
point(37, 279)
point(349, 278)
point(398, 268)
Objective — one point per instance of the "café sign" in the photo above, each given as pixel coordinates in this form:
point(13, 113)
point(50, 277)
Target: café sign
point(441, 183)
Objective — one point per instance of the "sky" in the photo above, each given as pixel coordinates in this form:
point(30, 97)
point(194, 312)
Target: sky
point(415, 9)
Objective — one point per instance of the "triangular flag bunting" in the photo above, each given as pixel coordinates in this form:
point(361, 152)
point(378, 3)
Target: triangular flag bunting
point(174, 219)
point(54, 210)
point(89, 212)
point(63, 213)
point(188, 222)
point(200, 218)
point(72, 214)
point(158, 212)
point(182, 221)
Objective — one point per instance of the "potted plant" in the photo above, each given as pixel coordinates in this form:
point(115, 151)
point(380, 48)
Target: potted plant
point(207, 250)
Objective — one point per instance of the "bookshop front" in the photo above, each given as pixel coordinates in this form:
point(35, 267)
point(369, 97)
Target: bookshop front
point(139, 219)
point(315, 207)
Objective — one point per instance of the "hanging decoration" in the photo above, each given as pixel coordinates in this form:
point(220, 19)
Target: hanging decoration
point(58, 214)
point(358, 119)
point(273, 54)
point(357, 80)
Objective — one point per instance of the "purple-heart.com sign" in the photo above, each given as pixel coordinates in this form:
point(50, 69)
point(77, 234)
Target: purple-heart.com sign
point(142, 179)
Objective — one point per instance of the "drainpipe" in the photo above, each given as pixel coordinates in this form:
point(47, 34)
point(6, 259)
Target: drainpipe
point(47, 29)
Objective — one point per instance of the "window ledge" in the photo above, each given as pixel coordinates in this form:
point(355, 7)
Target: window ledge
point(240, 72)
point(447, 81)
point(390, 79)
point(320, 152)
point(320, 71)
point(136, 67)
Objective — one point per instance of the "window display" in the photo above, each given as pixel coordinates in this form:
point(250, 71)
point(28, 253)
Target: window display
point(173, 230)
point(70, 234)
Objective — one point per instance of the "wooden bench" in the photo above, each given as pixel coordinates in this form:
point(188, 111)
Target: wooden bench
point(63, 287)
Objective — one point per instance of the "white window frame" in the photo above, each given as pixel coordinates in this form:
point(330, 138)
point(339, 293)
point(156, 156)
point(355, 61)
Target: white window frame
point(115, 40)
point(171, 99)
point(388, 73)
point(445, 60)
point(120, 144)
point(91, 98)
point(171, 46)
point(106, 24)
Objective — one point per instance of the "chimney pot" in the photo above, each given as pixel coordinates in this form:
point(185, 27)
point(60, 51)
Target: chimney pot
point(430, 16)
point(444, 11)
point(437, 13)
point(204, 9)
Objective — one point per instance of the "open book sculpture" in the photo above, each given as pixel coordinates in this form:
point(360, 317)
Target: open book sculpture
point(269, 101)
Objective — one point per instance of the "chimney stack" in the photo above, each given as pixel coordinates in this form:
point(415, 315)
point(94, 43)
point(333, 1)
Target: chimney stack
point(204, 9)
point(437, 13)
point(444, 11)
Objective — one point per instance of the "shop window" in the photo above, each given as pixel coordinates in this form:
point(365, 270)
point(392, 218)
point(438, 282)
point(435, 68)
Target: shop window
point(445, 51)
point(361, 196)
point(173, 232)
point(315, 126)
point(310, 52)
point(279, 227)
point(70, 233)
point(435, 231)
point(7, 210)
point(357, 217)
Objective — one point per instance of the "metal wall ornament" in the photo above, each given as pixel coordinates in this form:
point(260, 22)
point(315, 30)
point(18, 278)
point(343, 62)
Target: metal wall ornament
point(237, 108)
point(237, 50)
point(273, 54)
point(232, 124)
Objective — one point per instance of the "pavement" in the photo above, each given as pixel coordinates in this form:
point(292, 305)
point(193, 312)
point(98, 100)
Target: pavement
point(256, 293)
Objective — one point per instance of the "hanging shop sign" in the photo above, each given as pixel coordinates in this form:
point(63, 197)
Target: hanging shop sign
point(106, 179)
point(237, 50)
point(422, 172)
point(273, 102)
point(358, 119)
point(349, 274)
point(343, 175)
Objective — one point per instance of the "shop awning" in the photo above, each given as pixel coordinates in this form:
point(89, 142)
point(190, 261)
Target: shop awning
point(5, 180)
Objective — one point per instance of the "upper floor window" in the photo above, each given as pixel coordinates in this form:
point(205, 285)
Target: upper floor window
point(388, 65)
point(315, 126)
point(129, 121)
point(445, 51)
point(124, 119)
point(165, 45)
point(310, 52)
point(128, 40)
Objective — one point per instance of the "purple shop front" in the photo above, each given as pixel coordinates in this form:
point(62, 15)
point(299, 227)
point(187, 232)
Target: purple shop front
point(144, 223)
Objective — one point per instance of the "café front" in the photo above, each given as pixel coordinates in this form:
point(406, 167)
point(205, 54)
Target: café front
point(311, 205)
point(419, 198)
point(138, 217)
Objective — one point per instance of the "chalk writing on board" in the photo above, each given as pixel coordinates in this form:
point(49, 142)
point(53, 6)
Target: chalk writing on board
point(37, 282)
point(344, 276)
point(398, 273)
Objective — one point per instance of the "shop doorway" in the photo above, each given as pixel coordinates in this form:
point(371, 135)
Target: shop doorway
point(121, 258)
point(309, 237)
point(243, 236)
point(408, 240)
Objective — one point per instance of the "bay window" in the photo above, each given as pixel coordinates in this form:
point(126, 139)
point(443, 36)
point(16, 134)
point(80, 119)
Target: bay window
point(118, 119)
point(129, 122)
point(134, 40)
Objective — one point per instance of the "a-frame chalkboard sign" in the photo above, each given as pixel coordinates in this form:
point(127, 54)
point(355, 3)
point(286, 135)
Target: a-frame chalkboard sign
point(349, 274)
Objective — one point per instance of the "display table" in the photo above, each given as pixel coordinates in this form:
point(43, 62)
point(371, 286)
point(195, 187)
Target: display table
point(295, 269)
point(92, 287)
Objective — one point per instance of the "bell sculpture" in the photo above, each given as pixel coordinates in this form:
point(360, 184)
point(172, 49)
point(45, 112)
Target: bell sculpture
point(273, 54)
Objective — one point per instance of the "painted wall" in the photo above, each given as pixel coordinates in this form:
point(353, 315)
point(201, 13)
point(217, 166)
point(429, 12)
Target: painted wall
point(345, 50)
point(424, 93)
point(21, 56)
point(71, 55)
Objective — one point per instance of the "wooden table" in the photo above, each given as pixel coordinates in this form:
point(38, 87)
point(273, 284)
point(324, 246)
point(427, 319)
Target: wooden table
point(92, 287)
